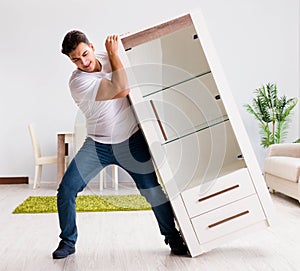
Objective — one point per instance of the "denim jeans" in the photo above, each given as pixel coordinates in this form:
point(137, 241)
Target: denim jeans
point(133, 156)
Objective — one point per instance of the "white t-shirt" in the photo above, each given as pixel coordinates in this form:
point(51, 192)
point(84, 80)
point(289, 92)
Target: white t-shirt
point(109, 121)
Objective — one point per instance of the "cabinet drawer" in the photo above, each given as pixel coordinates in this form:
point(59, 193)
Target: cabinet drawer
point(218, 192)
point(228, 219)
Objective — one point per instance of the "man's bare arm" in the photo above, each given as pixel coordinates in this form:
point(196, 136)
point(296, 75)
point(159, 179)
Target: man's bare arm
point(117, 87)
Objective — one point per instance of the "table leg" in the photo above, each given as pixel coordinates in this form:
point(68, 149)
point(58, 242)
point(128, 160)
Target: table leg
point(60, 157)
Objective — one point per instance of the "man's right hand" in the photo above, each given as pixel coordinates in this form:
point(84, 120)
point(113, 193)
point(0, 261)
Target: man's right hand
point(111, 45)
point(117, 87)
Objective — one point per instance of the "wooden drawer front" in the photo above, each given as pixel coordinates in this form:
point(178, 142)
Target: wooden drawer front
point(228, 219)
point(218, 192)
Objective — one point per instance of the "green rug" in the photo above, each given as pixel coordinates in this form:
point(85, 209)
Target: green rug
point(90, 203)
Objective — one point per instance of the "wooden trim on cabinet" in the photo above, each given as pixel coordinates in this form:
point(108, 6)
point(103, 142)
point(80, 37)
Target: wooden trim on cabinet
point(156, 31)
point(219, 192)
point(228, 219)
point(158, 120)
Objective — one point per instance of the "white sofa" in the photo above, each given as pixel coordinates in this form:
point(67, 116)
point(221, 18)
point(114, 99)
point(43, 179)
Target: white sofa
point(282, 169)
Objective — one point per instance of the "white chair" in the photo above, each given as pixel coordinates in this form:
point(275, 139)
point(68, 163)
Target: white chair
point(282, 169)
point(79, 137)
point(39, 160)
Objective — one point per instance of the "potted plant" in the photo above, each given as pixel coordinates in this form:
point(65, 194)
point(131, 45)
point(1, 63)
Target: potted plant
point(272, 112)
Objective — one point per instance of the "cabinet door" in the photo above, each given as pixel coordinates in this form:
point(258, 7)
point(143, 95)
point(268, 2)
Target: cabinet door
point(188, 107)
point(203, 156)
point(161, 63)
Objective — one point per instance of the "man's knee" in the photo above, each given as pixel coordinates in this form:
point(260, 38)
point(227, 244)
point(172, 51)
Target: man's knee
point(69, 187)
point(154, 195)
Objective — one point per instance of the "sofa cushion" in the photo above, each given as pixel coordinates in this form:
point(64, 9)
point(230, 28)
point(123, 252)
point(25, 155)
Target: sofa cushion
point(283, 167)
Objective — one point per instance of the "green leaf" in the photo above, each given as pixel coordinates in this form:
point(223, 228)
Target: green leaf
point(272, 112)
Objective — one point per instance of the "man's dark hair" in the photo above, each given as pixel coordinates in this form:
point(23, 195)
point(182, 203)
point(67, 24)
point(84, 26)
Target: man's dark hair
point(71, 41)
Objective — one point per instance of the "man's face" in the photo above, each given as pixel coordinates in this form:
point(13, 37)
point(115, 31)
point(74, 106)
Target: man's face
point(84, 58)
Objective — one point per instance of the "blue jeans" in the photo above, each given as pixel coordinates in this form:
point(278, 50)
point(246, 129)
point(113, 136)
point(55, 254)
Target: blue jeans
point(133, 156)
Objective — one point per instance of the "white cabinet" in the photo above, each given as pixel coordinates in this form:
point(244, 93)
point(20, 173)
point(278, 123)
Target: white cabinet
point(197, 140)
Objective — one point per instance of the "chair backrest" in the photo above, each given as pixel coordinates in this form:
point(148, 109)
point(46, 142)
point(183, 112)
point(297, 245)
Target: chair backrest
point(35, 142)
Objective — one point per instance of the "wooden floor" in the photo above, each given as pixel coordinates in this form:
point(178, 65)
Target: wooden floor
point(131, 240)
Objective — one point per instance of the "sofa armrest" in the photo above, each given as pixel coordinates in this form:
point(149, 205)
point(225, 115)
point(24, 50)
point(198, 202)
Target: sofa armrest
point(284, 149)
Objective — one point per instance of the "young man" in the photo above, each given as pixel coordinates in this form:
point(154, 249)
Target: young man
point(99, 88)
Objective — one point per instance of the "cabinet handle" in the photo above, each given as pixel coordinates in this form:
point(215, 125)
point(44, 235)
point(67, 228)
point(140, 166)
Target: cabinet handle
point(158, 120)
point(219, 192)
point(240, 157)
point(228, 219)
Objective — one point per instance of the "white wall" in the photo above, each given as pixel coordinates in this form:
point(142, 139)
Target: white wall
point(257, 42)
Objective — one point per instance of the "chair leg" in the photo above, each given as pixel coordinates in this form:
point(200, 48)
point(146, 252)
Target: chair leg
point(104, 171)
point(115, 176)
point(102, 179)
point(37, 176)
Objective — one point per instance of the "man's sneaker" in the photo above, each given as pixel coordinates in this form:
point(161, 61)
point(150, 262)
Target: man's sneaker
point(63, 251)
point(177, 245)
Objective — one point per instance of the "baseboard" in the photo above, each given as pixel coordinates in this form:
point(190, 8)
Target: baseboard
point(14, 180)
